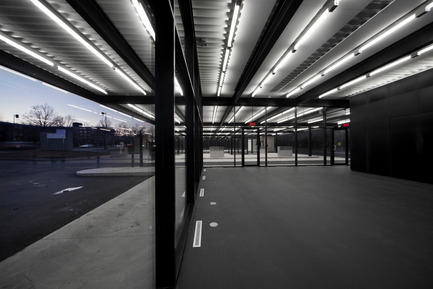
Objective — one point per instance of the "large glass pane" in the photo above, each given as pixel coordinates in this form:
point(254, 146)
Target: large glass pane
point(65, 160)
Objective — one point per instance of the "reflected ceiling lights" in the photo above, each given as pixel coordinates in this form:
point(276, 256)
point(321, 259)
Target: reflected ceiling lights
point(144, 18)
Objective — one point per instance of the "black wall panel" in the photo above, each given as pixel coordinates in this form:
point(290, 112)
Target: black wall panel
point(392, 129)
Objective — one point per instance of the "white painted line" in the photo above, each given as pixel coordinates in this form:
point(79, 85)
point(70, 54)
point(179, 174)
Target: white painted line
point(213, 224)
point(202, 192)
point(204, 178)
point(213, 203)
point(204, 169)
point(183, 195)
point(197, 234)
point(67, 190)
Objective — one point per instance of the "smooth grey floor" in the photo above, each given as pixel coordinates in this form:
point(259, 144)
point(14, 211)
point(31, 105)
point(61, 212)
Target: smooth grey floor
point(310, 227)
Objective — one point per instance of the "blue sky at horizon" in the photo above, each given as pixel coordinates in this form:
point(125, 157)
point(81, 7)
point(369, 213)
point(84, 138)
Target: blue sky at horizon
point(18, 94)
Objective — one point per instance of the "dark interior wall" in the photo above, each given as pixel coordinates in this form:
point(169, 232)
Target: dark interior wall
point(392, 129)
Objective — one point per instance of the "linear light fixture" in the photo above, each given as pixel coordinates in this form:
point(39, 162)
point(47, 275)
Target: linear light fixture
point(215, 108)
point(256, 115)
point(233, 25)
point(219, 91)
point(429, 7)
point(343, 121)
point(306, 35)
point(141, 111)
point(283, 61)
point(280, 114)
point(84, 41)
point(391, 65)
point(79, 78)
point(144, 18)
point(176, 118)
point(109, 108)
point(352, 82)
point(68, 29)
point(328, 92)
point(127, 78)
point(226, 58)
point(293, 92)
point(25, 50)
point(387, 33)
point(81, 108)
point(311, 81)
point(339, 63)
point(223, 74)
point(239, 110)
point(425, 50)
point(315, 120)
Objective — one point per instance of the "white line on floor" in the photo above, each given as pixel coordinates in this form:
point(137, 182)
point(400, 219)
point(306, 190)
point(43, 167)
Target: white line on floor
point(197, 234)
point(204, 178)
point(202, 192)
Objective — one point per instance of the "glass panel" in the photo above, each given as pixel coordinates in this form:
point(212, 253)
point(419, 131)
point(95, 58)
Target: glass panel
point(339, 147)
point(42, 167)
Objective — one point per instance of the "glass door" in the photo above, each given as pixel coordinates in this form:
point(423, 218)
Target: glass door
point(340, 146)
point(250, 147)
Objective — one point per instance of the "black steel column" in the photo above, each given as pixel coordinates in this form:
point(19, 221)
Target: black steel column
point(266, 136)
point(310, 143)
point(165, 202)
point(190, 148)
point(325, 141)
point(243, 147)
point(141, 149)
point(296, 136)
point(258, 147)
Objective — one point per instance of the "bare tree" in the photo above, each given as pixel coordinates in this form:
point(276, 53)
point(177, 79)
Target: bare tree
point(69, 120)
point(43, 115)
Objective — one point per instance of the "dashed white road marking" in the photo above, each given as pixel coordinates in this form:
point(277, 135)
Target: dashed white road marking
point(204, 178)
point(197, 234)
point(201, 192)
point(67, 190)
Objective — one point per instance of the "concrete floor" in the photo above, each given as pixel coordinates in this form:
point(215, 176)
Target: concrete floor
point(109, 247)
point(310, 227)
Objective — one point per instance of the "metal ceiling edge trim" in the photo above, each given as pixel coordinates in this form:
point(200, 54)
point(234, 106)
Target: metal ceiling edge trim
point(93, 14)
point(405, 46)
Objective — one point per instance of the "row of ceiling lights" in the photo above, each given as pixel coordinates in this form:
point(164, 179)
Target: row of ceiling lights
point(317, 23)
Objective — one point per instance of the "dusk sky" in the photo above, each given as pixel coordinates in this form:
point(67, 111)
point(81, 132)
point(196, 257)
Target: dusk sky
point(18, 94)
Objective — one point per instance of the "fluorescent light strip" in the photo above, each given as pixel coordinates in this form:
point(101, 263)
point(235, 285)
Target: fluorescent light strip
point(343, 121)
point(391, 65)
point(219, 91)
point(339, 63)
point(387, 33)
point(257, 115)
point(239, 110)
point(282, 113)
point(293, 92)
point(283, 61)
point(124, 76)
point(84, 41)
point(53, 87)
point(233, 25)
point(74, 106)
point(79, 78)
point(144, 18)
point(26, 50)
point(315, 120)
point(425, 50)
point(316, 25)
point(429, 7)
point(356, 80)
point(215, 108)
point(74, 34)
point(311, 81)
point(328, 93)
point(141, 111)
point(223, 74)
point(18, 73)
point(226, 59)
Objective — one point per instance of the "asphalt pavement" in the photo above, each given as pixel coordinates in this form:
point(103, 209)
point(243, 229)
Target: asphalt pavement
point(39, 197)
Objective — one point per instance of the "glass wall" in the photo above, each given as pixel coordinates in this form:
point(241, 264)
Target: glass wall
point(62, 158)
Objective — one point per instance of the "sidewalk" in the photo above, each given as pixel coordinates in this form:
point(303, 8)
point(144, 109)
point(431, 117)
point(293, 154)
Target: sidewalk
point(109, 247)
